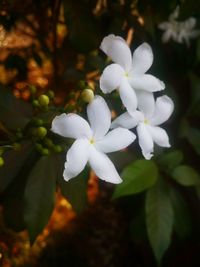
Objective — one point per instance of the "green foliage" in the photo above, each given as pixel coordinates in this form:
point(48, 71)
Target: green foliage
point(186, 175)
point(182, 221)
point(159, 218)
point(75, 190)
point(14, 161)
point(171, 159)
point(40, 195)
point(137, 177)
point(13, 195)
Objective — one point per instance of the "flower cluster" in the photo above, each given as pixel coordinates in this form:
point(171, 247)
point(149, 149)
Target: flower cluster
point(178, 31)
point(93, 140)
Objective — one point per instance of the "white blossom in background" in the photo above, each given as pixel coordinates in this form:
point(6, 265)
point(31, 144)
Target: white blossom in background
point(128, 73)
point(179, 31)
point(151, 114)
point(92, 141)
point(187, 31)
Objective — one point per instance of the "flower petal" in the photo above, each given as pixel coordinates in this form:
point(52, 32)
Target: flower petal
point(77, 157)
point(71, 125)
point(159, 136)
point(128, 96)
point(146, 82)
point(142, 58)
point(103, 166)
point(146, 102)
point(117, 49)
point(111, 78)
point(189, 24)
point(99, 116)
point(115, 140)
point(145, 141)
point(164, 107)
point(174, 15)
point(128, 121)
point(167, 36)
point(165, 25)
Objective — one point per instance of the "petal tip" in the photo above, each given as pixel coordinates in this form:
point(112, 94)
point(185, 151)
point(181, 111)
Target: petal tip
point(162, 85)
point(119, 181)
point(105, 40)
point(147, 156)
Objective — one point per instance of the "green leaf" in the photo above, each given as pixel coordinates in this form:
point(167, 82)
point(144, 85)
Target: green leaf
point(40, 195)
point(14, 161)
point(193, 136)
point(171, 159)
point(159, 219)
point(75, 190)
point(137, 177)
point(182, 222)
point(186, 175)
point(13, 196)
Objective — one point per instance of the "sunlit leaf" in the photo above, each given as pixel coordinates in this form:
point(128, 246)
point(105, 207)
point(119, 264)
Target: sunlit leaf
point(137, 177)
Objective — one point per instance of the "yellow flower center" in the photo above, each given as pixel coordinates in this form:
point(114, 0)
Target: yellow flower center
point(126, 74)
point(92, 141)
point(146, 121)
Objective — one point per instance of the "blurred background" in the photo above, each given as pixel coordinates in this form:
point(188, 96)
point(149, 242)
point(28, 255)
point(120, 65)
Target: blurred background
point(49, 53)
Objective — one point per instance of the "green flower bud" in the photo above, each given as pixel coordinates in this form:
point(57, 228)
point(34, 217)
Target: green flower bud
point(1, 161)
point(87, 95)
point(32, 89)
point(50, 94)
point(35, 103)
point(57, 148)
point(38, 122)
point(43, 100)
point(39, 147)
point(41, 132)
point(82, 84)
point(45, 152)
point(48, 142)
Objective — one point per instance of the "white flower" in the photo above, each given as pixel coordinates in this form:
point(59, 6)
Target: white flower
point(187, 31)
point(92, 141)
point(128, 72)
point(178, 31)
point(171, 27)
point(152, 113)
